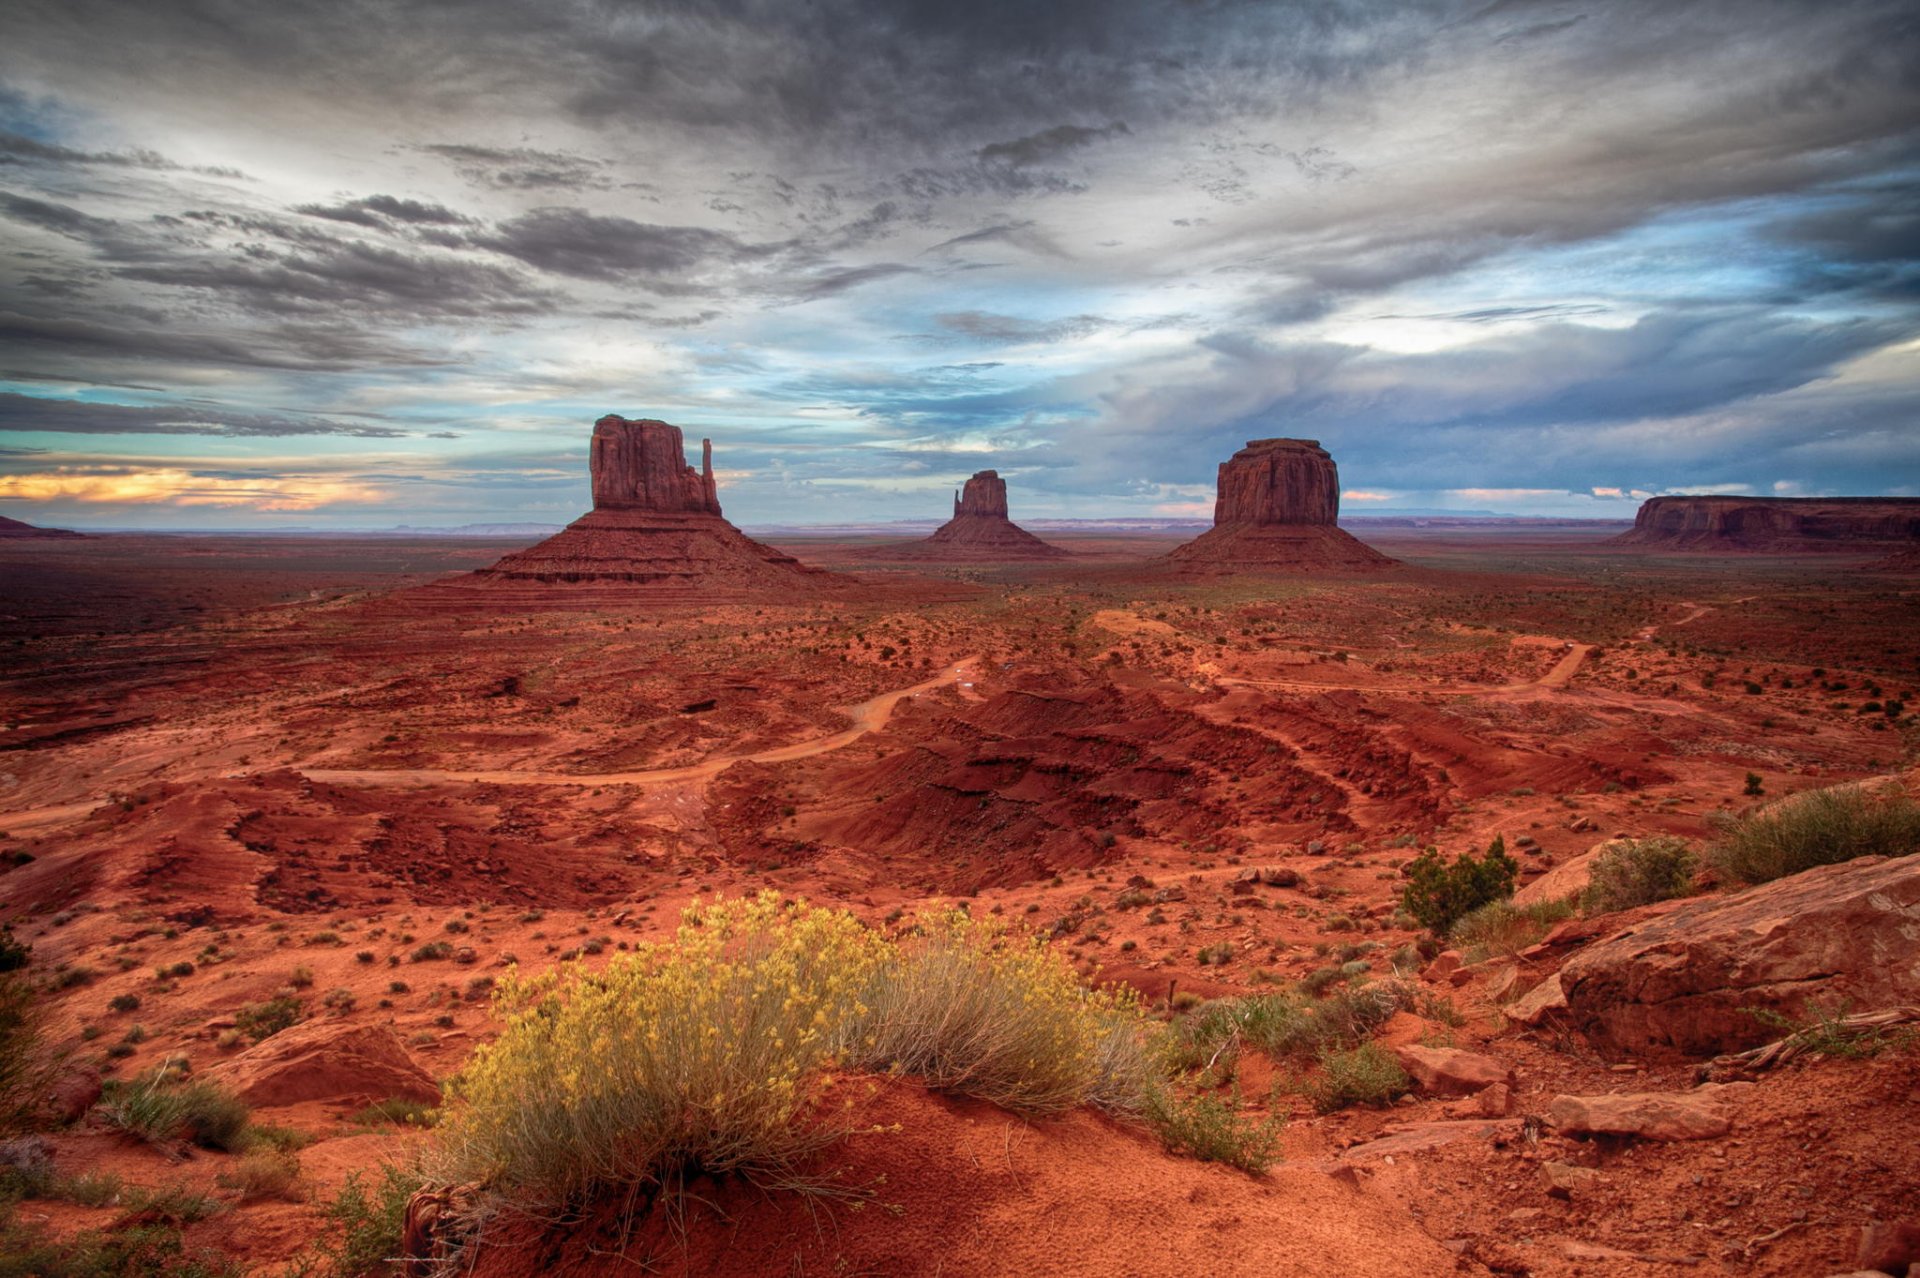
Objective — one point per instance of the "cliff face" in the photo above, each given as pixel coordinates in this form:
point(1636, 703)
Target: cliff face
point(1278, 481)
point(985, 495)
point(1274, 509)
point(642, 465)
point(1776, 523)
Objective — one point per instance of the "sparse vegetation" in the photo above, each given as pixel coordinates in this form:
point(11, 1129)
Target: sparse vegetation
point(162, 1111)
point(1503, 928)
point(1363, 1075)
point(1215, 1130)
point(1819, 827)
point(1631, 872)
point(263, 1020)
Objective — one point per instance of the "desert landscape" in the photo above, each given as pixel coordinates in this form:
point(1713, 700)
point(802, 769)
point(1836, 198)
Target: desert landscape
point(894, 639)
point(296, 849)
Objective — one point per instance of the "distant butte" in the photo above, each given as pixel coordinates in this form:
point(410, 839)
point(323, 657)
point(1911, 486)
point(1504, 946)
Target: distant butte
point(655, 523)
point(1777, 524)
point(980, 531)
point(1275, 510)
point(13, 528)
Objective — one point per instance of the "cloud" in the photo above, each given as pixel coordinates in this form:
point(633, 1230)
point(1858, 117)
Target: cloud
point(174, 486)
point(1049, 144)
point(82, 417)
point(520, 168)
point(379, 212)
point(572, 241)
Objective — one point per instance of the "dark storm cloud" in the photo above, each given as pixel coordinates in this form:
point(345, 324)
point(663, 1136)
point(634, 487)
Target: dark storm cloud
point(1049, 144)
point(18, 149)
point(571, 241)
point(380, 211)
point(523, 169)
point(23, 413)
point(293, 347)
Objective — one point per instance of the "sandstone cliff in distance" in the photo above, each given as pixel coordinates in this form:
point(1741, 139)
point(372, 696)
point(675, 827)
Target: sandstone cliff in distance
point(980, 531)
point(1777, 524)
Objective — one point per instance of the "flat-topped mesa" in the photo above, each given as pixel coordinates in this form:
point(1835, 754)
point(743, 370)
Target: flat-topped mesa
point(1780, 524)
point(642, 465)
point(655, 523)
point(1278, 481)
point(1274, 509)
point(979, 531)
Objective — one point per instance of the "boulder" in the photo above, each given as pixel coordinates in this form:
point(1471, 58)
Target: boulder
point(326, 1060)
point(1448, 1071)
point(1889, 1246)
point(1275, 504)
point(1684, 979)
point(1701, 1114)
point(1538, 1005)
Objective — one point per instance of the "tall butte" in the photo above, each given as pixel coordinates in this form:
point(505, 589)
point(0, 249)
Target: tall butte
point(980, 531)
point(656, 523)
point(1275, 510)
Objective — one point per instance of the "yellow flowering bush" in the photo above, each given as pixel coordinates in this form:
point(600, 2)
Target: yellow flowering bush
point(703, 1053)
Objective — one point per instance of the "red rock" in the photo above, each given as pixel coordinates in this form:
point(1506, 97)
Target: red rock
point(13, 528)
point(1444, 966)
point(1889, 1247)
point(1447, 1071)
point(979, 530)
point(330, 1061)
point(1684, 978)
point(72, 1095)
point(655, 523)
point(1275, 507)
point(1775, 523)
point(1697, 1115)
point(1537, 1006)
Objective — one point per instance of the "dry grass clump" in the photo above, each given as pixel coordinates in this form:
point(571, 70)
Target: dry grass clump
point(265, 1174)
point(1363, 1075)
point(711, 1053)
point(162, 1110)
point(1503, 928)
point(1631, 872)
point(1820, 827)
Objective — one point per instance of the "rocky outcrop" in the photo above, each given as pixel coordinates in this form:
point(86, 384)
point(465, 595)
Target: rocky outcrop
point(1779, 524)
point(1448, 1071)
point(325, 1060)
point(1701, 1114)
point(13, 528)
point(979, 531)
point(655, 523)
point(1275, 506)
point(1689, 979)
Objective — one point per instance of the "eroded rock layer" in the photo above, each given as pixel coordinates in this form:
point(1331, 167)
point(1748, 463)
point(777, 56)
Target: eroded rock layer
point(1776, 523)
point(980, 530)
point(1276, 503)
point(655, 522)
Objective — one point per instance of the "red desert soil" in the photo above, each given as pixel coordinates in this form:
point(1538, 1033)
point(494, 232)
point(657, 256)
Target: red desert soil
point(265, 755)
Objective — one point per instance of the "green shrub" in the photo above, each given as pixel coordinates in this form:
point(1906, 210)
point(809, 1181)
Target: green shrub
point(14, 955)
point(1819, 827)
point(1363, 1075)
point(28, 1065)
point(1215, 1130)
point(1503, 928)
point(366, 1223)
point(260, 1021)
point(1437, 893)
point(142, 1251)
point(1631, 872)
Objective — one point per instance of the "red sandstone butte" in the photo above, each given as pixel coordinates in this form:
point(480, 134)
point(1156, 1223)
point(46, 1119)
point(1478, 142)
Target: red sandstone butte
point(655, 522)
point(1276, 506)
point(980, 530)
point(1780, 524)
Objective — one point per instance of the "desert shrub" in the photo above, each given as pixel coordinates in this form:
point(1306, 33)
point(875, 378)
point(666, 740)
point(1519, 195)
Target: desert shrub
point(1819, 827)
point(366, 1222)
point(28, 1065)
point(1438, 893)
point(707, 1053)
point(263, 1020)
point(433, 950)
point(142, 1251)
point(1630, 872)
point(264, 1174)
point(1363, 1075)
point(14, 955)
point(1501, 927)
point(160, 1110)
point(1215, 1130)
point(398, 1109)
point(1824, 1031)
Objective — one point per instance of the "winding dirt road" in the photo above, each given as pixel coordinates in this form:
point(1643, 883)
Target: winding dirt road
point(868, 716)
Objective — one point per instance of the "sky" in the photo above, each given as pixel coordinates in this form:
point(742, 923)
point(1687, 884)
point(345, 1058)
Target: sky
point(365, 264)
